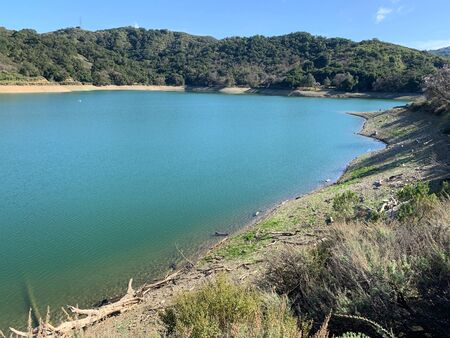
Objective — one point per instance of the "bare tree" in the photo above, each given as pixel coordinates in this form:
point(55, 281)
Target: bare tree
point(437, 86)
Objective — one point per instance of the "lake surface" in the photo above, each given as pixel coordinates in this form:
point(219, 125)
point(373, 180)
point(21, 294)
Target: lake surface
point(98, 187)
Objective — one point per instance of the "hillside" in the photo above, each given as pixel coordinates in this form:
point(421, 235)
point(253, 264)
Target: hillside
point(129, 55)
point(441, 51)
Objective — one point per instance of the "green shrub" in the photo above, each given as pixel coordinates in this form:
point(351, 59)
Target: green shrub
point(413, 192)
point(416, 200)
point(374, 216)
point(354, 335)
point(345, 205)
point(223, 309)
point(445, 189)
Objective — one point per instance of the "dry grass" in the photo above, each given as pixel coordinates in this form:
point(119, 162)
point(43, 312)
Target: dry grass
point(223, 309)
point(395, 273)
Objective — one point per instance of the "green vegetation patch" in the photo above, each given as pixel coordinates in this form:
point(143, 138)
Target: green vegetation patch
point(224, 309)
point(361, 172)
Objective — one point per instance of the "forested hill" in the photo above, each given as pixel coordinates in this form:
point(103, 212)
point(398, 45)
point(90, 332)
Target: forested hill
point(138, 56)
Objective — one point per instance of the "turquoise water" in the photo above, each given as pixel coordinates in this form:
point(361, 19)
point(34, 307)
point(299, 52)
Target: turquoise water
point(98, 187)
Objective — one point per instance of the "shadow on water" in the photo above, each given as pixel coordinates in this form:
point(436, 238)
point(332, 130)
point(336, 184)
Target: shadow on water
point(29, 301)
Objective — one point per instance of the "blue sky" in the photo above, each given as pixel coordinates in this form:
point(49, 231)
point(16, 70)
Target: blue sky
point(422, 24)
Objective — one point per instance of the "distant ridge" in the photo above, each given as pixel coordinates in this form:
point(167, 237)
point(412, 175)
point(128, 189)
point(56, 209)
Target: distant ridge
point(441, 51)
point(128, 55)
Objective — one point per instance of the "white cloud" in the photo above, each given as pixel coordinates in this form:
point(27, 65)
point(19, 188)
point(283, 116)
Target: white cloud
point(382, 13)
point(136, 25)
point(429, 44)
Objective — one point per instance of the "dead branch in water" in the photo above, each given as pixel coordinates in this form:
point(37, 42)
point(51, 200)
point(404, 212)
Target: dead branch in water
point(190, 263)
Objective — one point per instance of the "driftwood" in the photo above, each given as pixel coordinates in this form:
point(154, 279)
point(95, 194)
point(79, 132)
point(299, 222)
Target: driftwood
point(190, 263)
point(214, 269)
point(92, 316)
point(276, 234)
point(388, 205)
point(217, 244)
point(148, 287)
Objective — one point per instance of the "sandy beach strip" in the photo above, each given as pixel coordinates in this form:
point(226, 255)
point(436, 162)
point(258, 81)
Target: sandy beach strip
point(56, 88)
point(50, 88)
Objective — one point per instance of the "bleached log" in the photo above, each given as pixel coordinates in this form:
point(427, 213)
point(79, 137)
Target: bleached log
point(92, 315)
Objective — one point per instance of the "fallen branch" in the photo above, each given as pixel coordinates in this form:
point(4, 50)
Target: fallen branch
point(92, 316)
point(276, 234)
point(190, 263)
point(146, 288)
point(213, 269)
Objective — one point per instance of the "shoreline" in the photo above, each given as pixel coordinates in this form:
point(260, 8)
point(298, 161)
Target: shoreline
point(267, 212)
point(57, 88)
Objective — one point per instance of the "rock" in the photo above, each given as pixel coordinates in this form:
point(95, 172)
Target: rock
point(103, 302)
point(378, 184)
point(394, 177)
point(417, 328)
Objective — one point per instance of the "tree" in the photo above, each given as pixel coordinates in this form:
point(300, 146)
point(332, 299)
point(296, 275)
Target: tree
point(308, 81)
point(322, 60)
point(344, 81)
point(327, 82)
point(437, 89)
point(175, 80)
point(308, 66)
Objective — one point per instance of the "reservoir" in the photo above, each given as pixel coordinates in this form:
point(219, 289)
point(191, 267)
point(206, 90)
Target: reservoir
point(99, 187)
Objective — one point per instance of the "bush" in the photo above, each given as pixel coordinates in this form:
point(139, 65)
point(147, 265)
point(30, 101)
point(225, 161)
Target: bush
point(445, 189)
point(223, 309)
point(393, 273)
point(354, 335)
point(416, 200)
point(345, 205)
point(437, 90)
